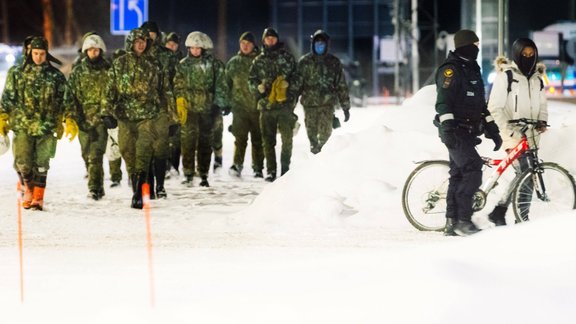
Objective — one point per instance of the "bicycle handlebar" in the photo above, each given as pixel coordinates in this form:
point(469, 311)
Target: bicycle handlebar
point(527, 121)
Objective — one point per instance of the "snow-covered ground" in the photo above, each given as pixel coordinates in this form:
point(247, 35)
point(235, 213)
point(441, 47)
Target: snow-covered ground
point(326, 243)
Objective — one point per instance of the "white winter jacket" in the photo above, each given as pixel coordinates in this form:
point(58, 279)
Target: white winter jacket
point(525, 100)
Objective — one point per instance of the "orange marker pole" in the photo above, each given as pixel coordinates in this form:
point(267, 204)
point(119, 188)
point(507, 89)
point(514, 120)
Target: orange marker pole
point(20, 245)
point(146, 206)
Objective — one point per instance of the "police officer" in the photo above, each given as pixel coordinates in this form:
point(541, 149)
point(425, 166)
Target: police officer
point(462, 117)
point(323, 86)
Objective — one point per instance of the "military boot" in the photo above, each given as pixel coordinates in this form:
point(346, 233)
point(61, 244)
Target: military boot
point(449, 228)
point(151, 177)
point(204, 182)
point(217, 162)
point(498, 216)
point(160, 170)
point(38, 198)
point(139, 179)
point(271, 177)
point(235, 171)
point(28, 195)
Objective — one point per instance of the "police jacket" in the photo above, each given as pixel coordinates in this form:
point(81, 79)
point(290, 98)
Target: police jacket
point(461, 94)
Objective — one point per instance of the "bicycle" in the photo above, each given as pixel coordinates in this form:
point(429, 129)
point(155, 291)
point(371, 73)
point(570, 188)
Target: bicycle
point(543, 188)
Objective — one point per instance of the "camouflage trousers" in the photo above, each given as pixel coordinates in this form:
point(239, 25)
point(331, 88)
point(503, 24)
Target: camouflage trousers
point(139, 143)
point(196, 140)
point(32, 156)
point(318, 121)
point(115, 170)
point(245, 123)
point(218, 130)
point(273, 121)
point(93, 147)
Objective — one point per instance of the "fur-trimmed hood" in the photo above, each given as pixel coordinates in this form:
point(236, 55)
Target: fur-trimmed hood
point(502, 63)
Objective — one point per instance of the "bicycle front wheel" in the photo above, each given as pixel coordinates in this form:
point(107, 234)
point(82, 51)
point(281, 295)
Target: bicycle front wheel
point(424, 195)
point(537, 195)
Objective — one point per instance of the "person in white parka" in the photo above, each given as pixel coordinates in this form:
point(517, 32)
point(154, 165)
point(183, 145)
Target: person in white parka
point(517, 92)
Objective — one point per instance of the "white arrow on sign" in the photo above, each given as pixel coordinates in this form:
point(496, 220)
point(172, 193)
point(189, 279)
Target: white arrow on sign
point(133, 5)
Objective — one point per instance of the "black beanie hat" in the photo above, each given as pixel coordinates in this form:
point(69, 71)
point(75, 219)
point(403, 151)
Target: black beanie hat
point(150, 26)
point(465, 37)
point(270, 32)
point(248, 36)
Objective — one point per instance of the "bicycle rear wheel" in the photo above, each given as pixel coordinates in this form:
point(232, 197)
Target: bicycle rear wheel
point(537, 195)
point(424, 195)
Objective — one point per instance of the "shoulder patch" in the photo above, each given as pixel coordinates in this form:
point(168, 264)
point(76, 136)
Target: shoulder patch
point(448, 73)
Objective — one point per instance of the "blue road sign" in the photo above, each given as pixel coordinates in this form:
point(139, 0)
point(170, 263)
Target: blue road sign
point(126, 15)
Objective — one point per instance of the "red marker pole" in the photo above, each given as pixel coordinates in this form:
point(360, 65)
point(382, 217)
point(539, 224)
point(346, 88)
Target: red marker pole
point(20, 244)
point(146, 207)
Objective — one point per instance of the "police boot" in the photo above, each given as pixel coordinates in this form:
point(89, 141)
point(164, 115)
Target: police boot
point(465, 228)
point(498, 216)
point(160, 170)
point(138, 179)
point(449, 228)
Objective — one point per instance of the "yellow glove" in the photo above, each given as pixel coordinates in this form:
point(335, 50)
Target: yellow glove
point(182, 110)
point(281, 86)
point(272, 95)
point(71, 129)
point(4, 124)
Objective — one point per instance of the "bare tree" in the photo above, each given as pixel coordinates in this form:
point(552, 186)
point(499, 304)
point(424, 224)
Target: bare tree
point(222, 26)
point(4, 22)
point(70, 23)
point(48, 15)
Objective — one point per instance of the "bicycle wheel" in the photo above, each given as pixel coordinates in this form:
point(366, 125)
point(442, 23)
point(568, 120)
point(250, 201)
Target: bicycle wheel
point(424, 195)
point(535, 197)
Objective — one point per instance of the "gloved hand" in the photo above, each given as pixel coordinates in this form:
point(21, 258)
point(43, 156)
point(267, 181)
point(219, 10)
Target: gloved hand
point(262, 88)
point(492, 132)
point(182, 110)
point(226, 111)
point(110, 122)
point(71, 129)
point(172, 130)
point(346, 114)
point(447, 133)
point(542, 126)
point(4, 124)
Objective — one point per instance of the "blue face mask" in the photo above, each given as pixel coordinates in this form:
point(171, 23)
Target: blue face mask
point(320, 47)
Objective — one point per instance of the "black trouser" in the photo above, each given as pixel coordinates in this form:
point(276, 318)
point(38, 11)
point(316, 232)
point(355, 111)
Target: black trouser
point(465, 178)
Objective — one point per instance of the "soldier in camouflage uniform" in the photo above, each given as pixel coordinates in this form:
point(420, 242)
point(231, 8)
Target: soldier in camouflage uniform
point(244, 107)
point(200, 89)
point(167, 62)
point(172, 42)
point(133, 97)
point(323, 86)
point(273, 80)
point(32, 106)
point(85, 93)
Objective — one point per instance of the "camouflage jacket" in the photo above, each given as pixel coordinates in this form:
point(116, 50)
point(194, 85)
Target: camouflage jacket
point(86, 90)
point(34, 98)
point(167, 62)
point(267, 66)
point(201, 81)
point(322, 81)
point(133, 88)
point(237, 71)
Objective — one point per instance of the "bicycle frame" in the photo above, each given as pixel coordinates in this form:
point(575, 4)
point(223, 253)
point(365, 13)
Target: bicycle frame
point(503, 164)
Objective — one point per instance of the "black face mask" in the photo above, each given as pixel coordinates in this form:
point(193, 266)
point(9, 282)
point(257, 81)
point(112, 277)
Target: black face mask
point(469, 52)
point(526, 65)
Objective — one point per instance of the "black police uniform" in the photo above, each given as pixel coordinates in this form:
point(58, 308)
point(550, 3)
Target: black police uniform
point(461, 103)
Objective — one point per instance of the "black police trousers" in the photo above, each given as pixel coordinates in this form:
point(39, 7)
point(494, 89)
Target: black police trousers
point(465, 178)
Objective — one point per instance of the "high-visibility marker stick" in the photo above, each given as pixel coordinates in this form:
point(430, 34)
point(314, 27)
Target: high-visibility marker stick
point(20, 244)
point(146, 207)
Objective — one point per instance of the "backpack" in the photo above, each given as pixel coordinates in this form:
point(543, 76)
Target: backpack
point(511, 79)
